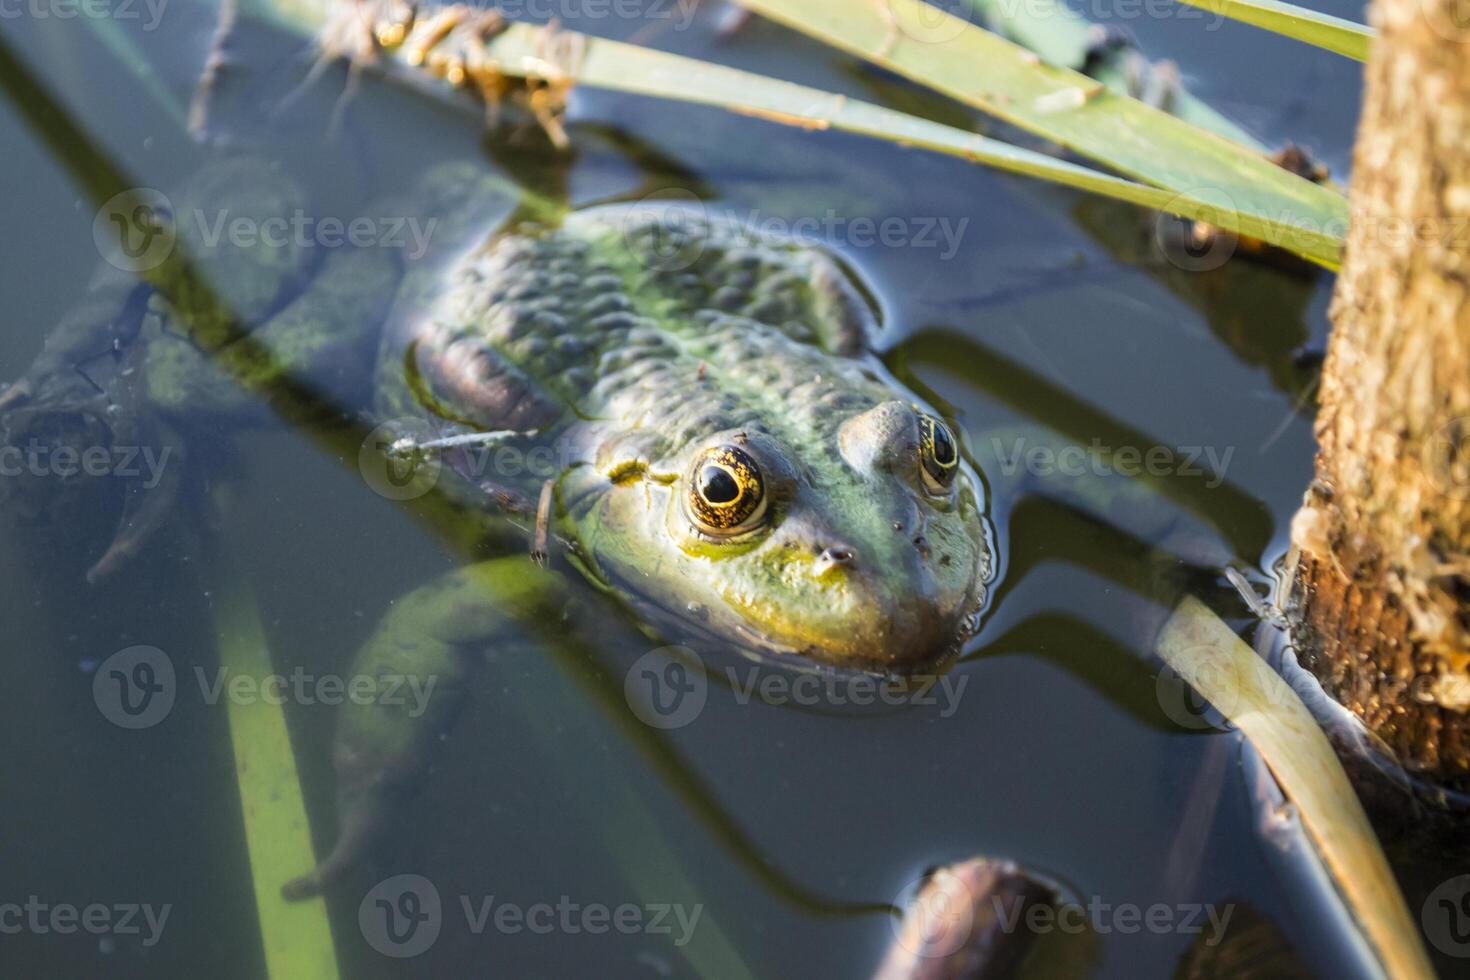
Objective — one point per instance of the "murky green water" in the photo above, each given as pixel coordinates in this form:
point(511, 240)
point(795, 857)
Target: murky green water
point(1043, 320)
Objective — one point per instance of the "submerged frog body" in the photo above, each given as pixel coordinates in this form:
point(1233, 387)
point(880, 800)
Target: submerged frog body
point(721, 452)
point(726, 443)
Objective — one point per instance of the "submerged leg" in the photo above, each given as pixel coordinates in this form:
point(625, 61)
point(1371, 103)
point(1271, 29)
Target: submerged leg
point(429, 643)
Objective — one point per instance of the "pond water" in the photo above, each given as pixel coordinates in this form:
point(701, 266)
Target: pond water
point(1039, 319)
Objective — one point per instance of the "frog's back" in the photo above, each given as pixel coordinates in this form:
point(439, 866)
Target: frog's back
point(643, 317)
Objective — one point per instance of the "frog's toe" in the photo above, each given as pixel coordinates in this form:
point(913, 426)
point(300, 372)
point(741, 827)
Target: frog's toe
point(363, 816)
point(344, 856)
point(146, 509)
point(309, 885)
point(14, 394)
point(63, 460)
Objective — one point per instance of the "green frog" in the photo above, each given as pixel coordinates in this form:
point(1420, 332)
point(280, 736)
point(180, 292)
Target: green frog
point(719, 450)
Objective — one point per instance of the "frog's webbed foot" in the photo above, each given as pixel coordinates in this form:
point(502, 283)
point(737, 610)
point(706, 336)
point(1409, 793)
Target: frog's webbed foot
point(70, 450)
point(89, 420)
point(73, 427)
point(14, 393)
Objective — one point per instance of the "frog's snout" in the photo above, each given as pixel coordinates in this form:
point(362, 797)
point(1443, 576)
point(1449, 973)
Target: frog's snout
point(859, 577)
point(861, 606)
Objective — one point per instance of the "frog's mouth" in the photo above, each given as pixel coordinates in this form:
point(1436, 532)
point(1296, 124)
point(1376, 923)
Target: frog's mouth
point(924, 639)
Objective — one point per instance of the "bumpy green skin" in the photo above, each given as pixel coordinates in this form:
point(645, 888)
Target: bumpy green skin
point(630, 340)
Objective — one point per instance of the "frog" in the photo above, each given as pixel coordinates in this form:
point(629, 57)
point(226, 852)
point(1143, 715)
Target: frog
point(723, 455)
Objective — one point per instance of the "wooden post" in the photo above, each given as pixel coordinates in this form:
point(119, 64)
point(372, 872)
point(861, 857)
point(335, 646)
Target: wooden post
point(1380, 599)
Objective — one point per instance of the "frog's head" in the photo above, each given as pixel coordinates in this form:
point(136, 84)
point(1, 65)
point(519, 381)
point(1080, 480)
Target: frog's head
point(870, 552)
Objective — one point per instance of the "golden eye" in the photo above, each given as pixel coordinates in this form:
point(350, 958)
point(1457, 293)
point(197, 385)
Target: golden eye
point(939, 458)
point(726, 493)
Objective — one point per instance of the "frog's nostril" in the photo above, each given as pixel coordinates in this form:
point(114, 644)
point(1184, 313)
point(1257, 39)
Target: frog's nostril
point(829, 559)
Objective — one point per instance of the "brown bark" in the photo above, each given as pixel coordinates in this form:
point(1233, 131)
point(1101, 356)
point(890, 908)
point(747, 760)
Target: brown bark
point(1381, 595)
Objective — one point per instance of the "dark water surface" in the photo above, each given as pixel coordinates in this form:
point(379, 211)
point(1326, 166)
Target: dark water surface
point(1048, 320)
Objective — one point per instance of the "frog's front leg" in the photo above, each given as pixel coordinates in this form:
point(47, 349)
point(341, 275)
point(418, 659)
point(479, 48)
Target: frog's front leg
point(430, 643)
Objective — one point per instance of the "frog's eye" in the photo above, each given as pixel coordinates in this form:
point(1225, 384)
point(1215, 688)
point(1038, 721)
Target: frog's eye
point(939, 459)
point(726, 494)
